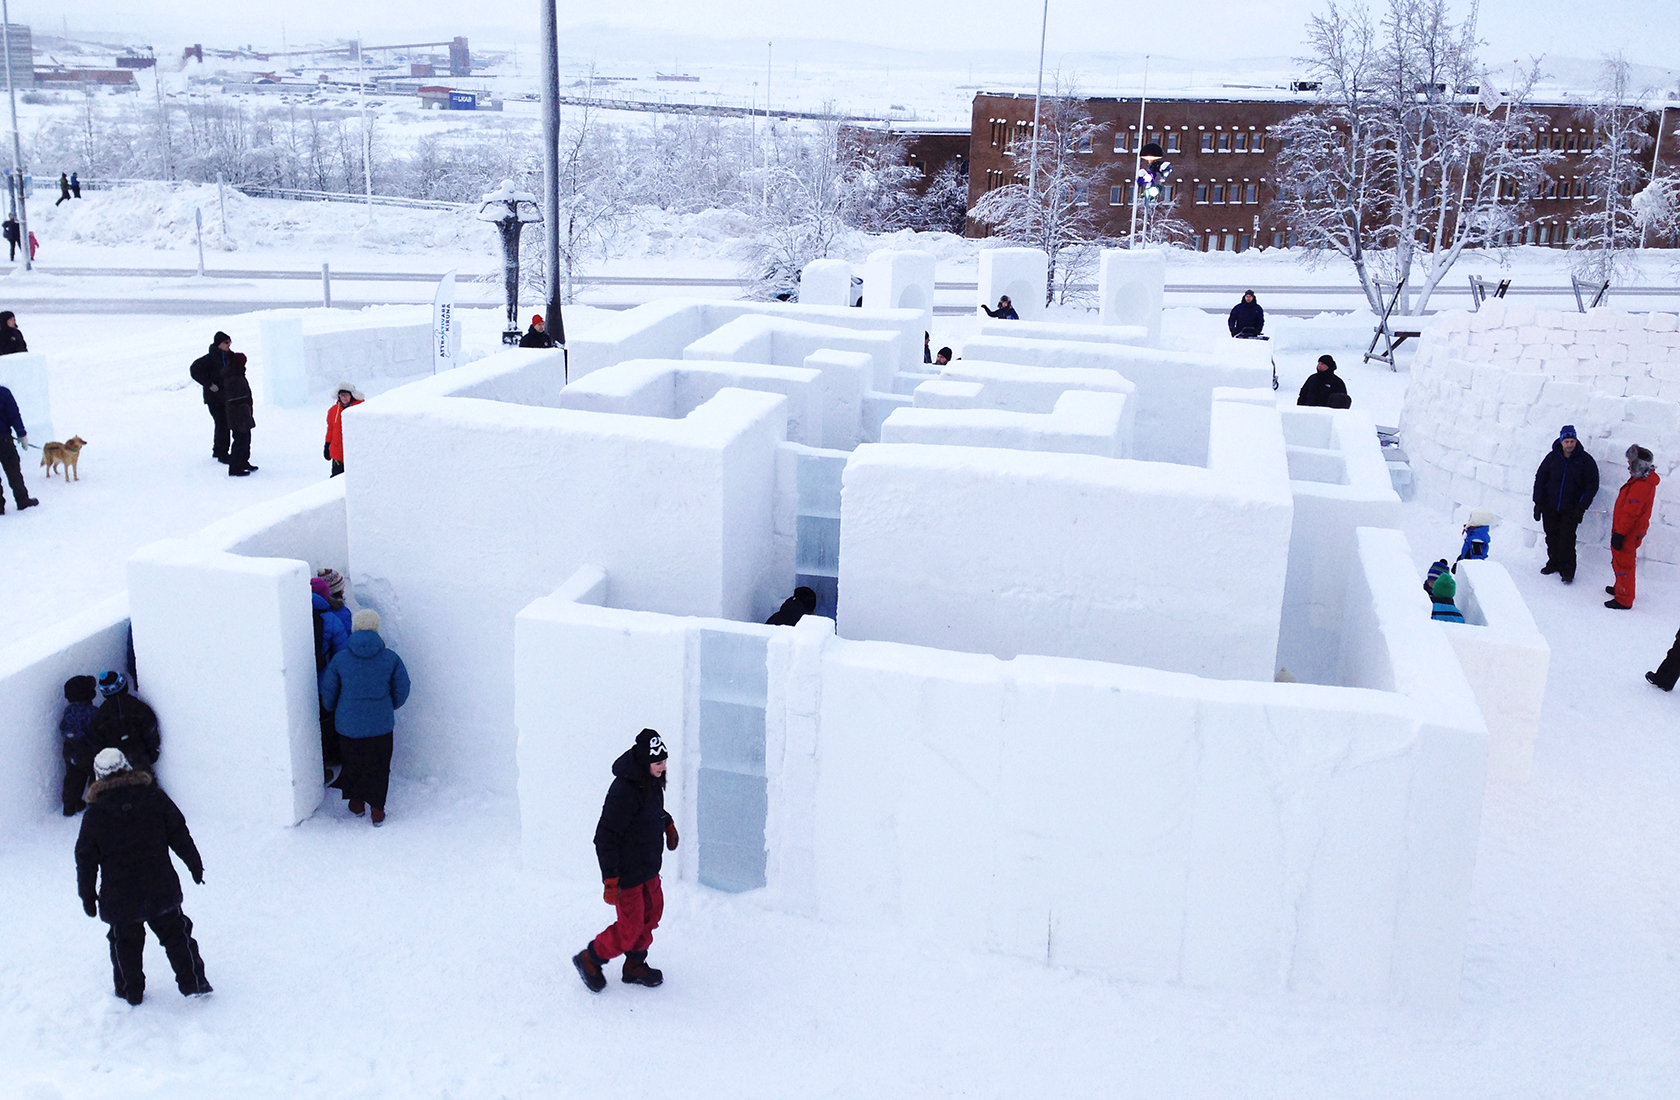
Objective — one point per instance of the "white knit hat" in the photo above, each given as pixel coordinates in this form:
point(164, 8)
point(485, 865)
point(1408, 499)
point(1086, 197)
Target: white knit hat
point(365, 619)
point(109, 762)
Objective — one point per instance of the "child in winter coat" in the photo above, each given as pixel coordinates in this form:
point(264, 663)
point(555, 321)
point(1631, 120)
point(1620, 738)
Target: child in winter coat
point(74, 744)
point(1445, 610)
point(1435, 571)
point(1476, 540)
point(333, 451)
point(1629, 523)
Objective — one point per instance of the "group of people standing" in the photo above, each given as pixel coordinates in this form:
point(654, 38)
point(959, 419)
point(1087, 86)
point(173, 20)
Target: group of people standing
point(1564, 487)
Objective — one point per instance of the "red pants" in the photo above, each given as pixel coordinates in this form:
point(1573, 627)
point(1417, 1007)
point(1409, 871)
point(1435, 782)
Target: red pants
point(639, 910)
point(1622, 561)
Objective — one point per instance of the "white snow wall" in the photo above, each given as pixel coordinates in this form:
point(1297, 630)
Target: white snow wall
point(1154, 827)
point(1489, 391)
point(465, 507)
point(1008, 552)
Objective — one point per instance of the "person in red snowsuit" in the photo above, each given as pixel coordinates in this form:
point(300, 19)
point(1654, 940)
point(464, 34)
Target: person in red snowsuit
point(1628, 524)
point(348, 398)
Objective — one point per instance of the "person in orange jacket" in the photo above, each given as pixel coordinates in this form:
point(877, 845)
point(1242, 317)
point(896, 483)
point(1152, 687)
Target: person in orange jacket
point(348, 397)
point(1629, 523)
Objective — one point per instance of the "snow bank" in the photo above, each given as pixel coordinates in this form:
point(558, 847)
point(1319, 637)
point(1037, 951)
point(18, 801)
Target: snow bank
point(1168, 566)
point(1489, 391)
point(679, 511)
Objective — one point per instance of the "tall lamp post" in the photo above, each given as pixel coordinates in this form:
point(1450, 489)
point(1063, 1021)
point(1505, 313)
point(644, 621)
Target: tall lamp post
point(17, 146)
point(1154, 171)
point(551, 175)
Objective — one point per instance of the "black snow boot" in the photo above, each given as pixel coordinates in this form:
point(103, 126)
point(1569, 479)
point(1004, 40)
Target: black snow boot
point(589, 968)
point(638, 972)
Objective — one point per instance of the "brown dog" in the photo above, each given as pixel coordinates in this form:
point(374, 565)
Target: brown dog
point(65, 455)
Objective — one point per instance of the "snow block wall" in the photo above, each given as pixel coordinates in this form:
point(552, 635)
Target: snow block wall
point(1080, 423)
point(1174, 388)
point(1340, 483)
point(32, 675)
point(225, 650)
point(1130, 288)
point(678, 511)
point(673, 388)
point(900, 279)
point(1013, 387)
point(1506, 660)
point(367, 355)
point(826, 283)
point(1021, 274)
point(1489, 391)
point(28, 375)
point(1052, 330)
point(285, 380)
point(663, 329)
point(781, 340)
point(1172, 567)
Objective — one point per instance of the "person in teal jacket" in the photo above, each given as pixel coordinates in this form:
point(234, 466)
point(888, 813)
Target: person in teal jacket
point(363, 686)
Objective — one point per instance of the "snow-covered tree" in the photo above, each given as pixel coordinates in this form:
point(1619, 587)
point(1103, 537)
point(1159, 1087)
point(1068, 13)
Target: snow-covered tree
point(1054, 210)
point(1657, 209)
point(876, 188)
point(1608, 229)
point(1392, 168)
point(801, 195)
point(943, 208)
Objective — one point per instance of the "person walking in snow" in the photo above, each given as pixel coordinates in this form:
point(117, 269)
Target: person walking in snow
point(1564, 486)
point(332, 635)
point(75, 186)
point(237, 397)
point(627, 845)
point(11, 423)
point(363, 686)
point(125, 722)
point(1323, 388)
point(11, 337)
point(1628, 524)
point(206, 370)
point(63, 188)
point(537, 335)
point(1477, 540)
point(13, 233)
point(348, 397)
point(1004, 312)
point(1247, 319)
point(124, 875)
point(73, 741)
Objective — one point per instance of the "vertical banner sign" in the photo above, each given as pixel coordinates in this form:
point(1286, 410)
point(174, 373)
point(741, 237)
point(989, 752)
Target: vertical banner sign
point(443, 324)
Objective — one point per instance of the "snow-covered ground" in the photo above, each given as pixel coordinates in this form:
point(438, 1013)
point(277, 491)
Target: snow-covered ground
point(418, 961)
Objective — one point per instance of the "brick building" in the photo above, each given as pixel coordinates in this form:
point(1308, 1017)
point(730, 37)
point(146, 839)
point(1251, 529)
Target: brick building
point(1224, 164)
point(927, 148)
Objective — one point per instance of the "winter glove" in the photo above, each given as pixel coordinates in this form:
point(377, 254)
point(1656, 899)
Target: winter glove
point(90, 907)
point(670, 836)
point(1536, 513)
point(23, 441)
point(198, 876)
point(610, 893)
point(1616, 541)
point(326, 451)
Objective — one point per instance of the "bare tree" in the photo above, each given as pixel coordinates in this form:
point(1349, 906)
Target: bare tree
point(1054, 211)
point(1608, 227)
point(803, 197)
point(1393, 168)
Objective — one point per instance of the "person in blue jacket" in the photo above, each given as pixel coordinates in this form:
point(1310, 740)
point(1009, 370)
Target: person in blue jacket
point(363, 686)
point(11, 423)
point(1564, 487)
point(332, 634)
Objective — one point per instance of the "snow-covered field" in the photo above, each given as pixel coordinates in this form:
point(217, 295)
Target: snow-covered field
point(418, 961)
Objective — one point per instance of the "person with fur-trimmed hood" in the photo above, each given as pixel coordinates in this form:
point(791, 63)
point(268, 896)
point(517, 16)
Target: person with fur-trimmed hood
point(124, 875)
point(1628, 524)
point(627, 845)
point(125, 722)
point(348, 398)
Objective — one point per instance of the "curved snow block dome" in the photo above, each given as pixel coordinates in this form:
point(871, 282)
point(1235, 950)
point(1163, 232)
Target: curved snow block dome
point(1130, 285)
point(900, 279)
point(1019, 273)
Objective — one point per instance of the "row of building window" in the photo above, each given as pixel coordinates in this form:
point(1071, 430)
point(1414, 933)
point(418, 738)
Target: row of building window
point(1218, 194)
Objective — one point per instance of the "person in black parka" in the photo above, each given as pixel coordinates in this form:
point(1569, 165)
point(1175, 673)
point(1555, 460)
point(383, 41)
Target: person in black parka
point(537, 335)
point(206, 370)
point(803, 602)
point(1323, 389)
point(627, 845)
point(124, 722)
point(1564, 486)
point(236, 393)
point(14, 235)
point(11, 337)
point(124, 875)
point(1247, 318)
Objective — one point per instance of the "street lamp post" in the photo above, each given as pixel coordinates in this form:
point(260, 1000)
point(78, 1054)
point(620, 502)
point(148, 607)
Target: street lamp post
point(17, 146)
point(556, 326)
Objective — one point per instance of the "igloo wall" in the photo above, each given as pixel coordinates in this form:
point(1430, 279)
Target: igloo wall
point(1489, 391)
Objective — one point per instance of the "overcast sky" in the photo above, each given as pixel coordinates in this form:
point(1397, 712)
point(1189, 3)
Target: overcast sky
point(1211, 30)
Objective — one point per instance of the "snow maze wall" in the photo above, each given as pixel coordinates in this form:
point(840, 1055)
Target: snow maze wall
point(1047, 722)
point(1489, 391)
